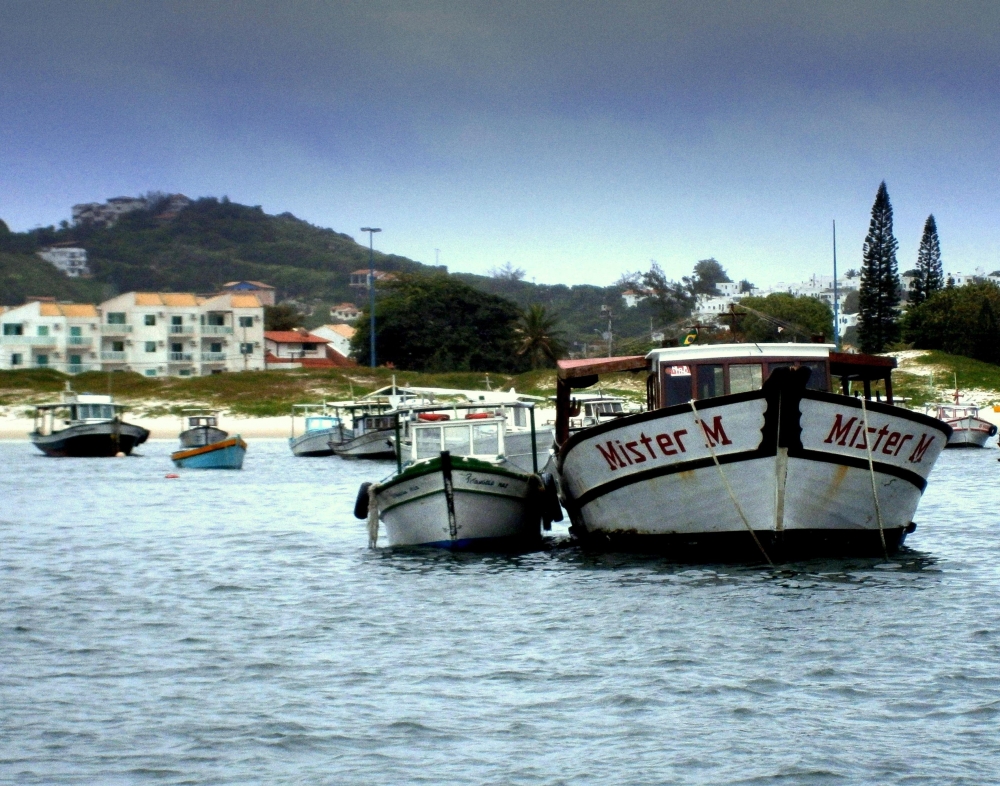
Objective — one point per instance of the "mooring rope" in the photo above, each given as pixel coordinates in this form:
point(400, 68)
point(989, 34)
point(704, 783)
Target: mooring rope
point(725, 482)
point(372, 516)
point(871, 472)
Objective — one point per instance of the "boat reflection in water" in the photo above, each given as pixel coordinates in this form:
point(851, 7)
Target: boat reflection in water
point(745, 454)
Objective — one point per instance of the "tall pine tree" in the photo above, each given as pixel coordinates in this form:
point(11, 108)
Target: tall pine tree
point(879, 291)
point(930, 275)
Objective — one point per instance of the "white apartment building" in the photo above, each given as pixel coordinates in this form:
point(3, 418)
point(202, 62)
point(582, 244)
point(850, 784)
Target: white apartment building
point(65, 337)
point(69, 260)
point(337, 337)
point(152, 333)
point(180, 334)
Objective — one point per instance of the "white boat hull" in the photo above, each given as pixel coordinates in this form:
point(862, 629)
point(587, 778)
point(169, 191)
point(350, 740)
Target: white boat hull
point(970, 432)
point(374, 444)
point(493, 508)
point(792, 466)
point(517, 448)
point(316, 443)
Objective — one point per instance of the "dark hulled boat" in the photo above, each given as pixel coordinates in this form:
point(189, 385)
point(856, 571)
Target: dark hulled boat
point(85, 425)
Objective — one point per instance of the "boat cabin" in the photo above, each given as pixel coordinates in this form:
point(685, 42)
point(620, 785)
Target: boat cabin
point(75, 409)
point(202, 421)
point(676, 375)
point(953, 411)
point(480, 437)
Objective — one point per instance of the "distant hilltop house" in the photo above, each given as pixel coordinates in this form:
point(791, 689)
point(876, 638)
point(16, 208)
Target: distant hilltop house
point(290, 349)
point(337, 337)
point(69, 259)
point(345, 312)
point(359, 278)
point(151, 333)
point(633, 297)
point(106, 214)
point(264, 292)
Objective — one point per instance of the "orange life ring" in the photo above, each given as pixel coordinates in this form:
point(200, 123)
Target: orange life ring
point(433, 416)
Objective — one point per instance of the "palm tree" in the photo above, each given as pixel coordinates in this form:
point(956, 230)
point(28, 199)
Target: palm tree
point(538, 337)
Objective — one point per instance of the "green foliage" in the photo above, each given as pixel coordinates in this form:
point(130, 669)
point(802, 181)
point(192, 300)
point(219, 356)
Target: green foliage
point(673, 300)
point(283, 316)
point(795, 318)
point(958, 320)
point(25, 275)
point(852, 302)
point(879, 292)
point(707, 273)
point(539, 340)
point(929, 274)
point(438, 323)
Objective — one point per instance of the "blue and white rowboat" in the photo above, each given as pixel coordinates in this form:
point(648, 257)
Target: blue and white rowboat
point(226, 454)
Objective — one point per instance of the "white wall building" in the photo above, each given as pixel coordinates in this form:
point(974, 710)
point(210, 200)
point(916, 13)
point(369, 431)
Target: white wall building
point(70, 260)
point(65, 337)
point(337, 337)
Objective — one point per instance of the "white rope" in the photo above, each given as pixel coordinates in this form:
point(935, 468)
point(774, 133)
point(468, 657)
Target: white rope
point(372, 516)
point(725, 482)
point(871, 472)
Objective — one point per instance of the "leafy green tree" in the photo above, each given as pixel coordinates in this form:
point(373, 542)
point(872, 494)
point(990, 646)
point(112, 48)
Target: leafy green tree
point(879, 292)
point(929, 276)
point(539, 340)
point(852, 302)
point(958, 320)
point(283, 316)
point(673, 300)
point(437, 323)
point(792, 318)
point(707, 274)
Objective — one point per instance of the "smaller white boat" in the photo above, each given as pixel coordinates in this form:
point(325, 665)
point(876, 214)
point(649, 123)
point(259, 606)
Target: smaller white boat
point(457, 490)
point(371, 434)
point(321, 428)
point(968, 430)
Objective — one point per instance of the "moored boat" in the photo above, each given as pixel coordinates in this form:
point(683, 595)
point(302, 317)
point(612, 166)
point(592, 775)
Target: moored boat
point(745, 454)
point(84, 425)
point(456, 489)
point(370, 435)
point(968, 430)
point(206, 446)
point(321, 428)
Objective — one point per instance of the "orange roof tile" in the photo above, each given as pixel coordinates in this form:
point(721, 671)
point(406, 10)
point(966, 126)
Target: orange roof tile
point(79, 310)
point(49, 310)
point(244, 301)
point(148, 299)
point(292, 337)
point(345, 330)
point(179, 299)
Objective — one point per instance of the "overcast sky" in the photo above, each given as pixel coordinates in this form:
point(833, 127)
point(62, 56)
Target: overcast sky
point(576, 140)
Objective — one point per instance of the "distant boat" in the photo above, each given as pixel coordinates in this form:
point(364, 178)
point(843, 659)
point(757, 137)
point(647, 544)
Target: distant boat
point(457, 490)
point(371, 435)
point(322, 427)
point(968, 430)
point(205, 446)
point(84, 425)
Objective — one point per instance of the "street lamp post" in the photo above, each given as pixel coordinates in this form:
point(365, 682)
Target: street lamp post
point(371, 287)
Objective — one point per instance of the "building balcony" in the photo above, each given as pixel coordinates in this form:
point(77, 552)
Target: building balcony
point(29, 341)
point(114, 357)
point(79, 341)
point(181, 357)
point(184, 330)
point(213, 357)
point(115, 330)
point(216, 330)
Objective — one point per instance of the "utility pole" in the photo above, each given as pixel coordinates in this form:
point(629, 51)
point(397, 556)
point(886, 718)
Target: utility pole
point(606, 312)
point(371, 287)
point(836, 304)
point(437, 256)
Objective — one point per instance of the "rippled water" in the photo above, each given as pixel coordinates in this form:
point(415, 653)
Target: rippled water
point(234, 628)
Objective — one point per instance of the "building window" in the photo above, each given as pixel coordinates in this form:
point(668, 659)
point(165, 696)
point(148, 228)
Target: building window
point(149, 319)
point(176, 320)
point(150, 372)
point(309, 347)
point(176, 347)
point(151, 346)
point(116, 318)
point(216, 319)
point(185, 372)
point(43, 330)
point(10, 329)
point(246, 349)
point(117, 346)
point(42, 360)
point(16, 359)
point(246, 321)
point(215, 348)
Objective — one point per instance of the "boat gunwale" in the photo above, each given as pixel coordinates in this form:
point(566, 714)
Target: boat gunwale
point(236, 441)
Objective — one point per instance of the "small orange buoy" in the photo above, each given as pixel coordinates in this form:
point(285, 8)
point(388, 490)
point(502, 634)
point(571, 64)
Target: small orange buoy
point(119, 454)
point(171, 475)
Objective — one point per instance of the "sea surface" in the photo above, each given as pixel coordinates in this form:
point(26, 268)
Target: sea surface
point(234, 628)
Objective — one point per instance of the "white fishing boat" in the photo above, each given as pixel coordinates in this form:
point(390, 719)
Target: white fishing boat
point(321, 428)
point(370, 436)
point(745, 454)
point(457, 490)
point(968, 430)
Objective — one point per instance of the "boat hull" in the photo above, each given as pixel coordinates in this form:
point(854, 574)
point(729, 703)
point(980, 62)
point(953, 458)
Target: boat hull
point(970, 432)
point(227, 454)
point(494, 508)
point(373, 445)
point(315, 443)
point(517, 448)
point(792, 467)
point(91, 440)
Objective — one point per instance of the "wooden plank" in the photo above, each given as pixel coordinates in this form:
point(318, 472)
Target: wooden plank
point(568, 369)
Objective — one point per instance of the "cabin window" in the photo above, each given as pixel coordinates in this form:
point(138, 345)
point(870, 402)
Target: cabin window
point(676, 385)
point(711, 381)
point(486, 439)
point(520, 417)
point(744, 377)
point(428, 442)
point(149, 320)
point(817, 376)
point(456, 440)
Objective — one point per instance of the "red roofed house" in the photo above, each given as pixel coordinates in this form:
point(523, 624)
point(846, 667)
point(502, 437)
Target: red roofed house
point(285, 349)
